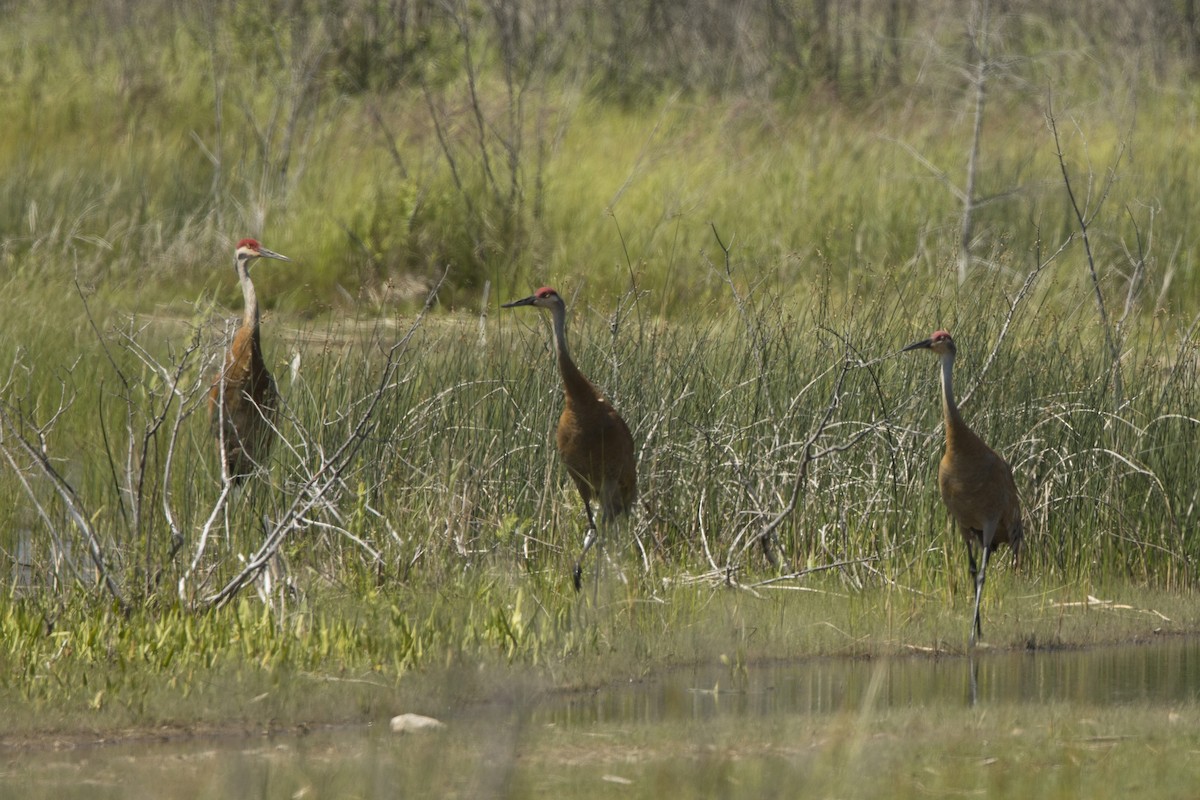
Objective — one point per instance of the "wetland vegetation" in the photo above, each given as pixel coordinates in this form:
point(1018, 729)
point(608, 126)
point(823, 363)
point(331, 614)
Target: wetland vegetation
point(743, 249)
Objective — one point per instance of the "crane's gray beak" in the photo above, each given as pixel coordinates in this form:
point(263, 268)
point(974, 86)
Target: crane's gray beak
point(927, 343)
point(265, 253)
point(528, 301)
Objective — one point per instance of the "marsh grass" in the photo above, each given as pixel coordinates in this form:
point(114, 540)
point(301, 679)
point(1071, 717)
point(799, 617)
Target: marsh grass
point(446, 539)
point(459, 461)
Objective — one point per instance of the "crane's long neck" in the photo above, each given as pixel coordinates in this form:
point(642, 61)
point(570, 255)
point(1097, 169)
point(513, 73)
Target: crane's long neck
point(249, 298)
point(955, 427)
point(576, 386)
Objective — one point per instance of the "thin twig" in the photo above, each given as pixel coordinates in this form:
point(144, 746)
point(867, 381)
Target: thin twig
point(1013, 305)
point(72, 503)
point(1084, 221)
point(767, 534)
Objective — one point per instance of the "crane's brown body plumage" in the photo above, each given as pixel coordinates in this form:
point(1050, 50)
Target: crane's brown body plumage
point(593, 440)
point(976, 484)
point(243, 403)
point(595, 446)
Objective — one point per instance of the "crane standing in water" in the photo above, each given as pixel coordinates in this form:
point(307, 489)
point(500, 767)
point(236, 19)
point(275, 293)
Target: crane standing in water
point(243, 402)
point(593, 441)
point(977, 484)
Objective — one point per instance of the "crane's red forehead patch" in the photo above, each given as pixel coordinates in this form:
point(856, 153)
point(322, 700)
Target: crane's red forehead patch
point(545, 291)
point(250, 243)
point(940, 335)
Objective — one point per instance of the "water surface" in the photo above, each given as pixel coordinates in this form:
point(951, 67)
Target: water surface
point(1163, 673)
point(1100, 723)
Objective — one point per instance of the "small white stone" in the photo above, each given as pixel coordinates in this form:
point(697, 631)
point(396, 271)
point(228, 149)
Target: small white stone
point(415, 723)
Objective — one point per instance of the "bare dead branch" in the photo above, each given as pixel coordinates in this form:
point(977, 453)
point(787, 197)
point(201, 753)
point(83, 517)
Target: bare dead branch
point(768, 533)
point(70, 500)
point(1084, 220)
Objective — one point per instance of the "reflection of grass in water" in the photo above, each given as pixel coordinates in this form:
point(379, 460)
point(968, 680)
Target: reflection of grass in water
point(1004, 750)
point(1007, 751)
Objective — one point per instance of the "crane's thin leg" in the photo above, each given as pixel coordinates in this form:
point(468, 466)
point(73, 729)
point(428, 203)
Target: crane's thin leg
point(977, 627)
point(974, 568)
point(977, 630)
point(596, 569)
point(589, 539)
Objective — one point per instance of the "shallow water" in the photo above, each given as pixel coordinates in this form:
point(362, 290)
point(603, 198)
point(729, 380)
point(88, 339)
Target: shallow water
point(1165, 673)
point(841, 725)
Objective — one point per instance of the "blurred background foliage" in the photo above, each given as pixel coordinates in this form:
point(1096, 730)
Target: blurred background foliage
point(522, 142)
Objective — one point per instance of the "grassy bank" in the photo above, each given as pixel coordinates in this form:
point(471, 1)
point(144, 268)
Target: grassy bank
point(350, 658)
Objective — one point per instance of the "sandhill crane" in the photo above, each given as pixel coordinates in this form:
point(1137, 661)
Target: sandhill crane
point(242, 403)
point(593, 441)
point(976, 484)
